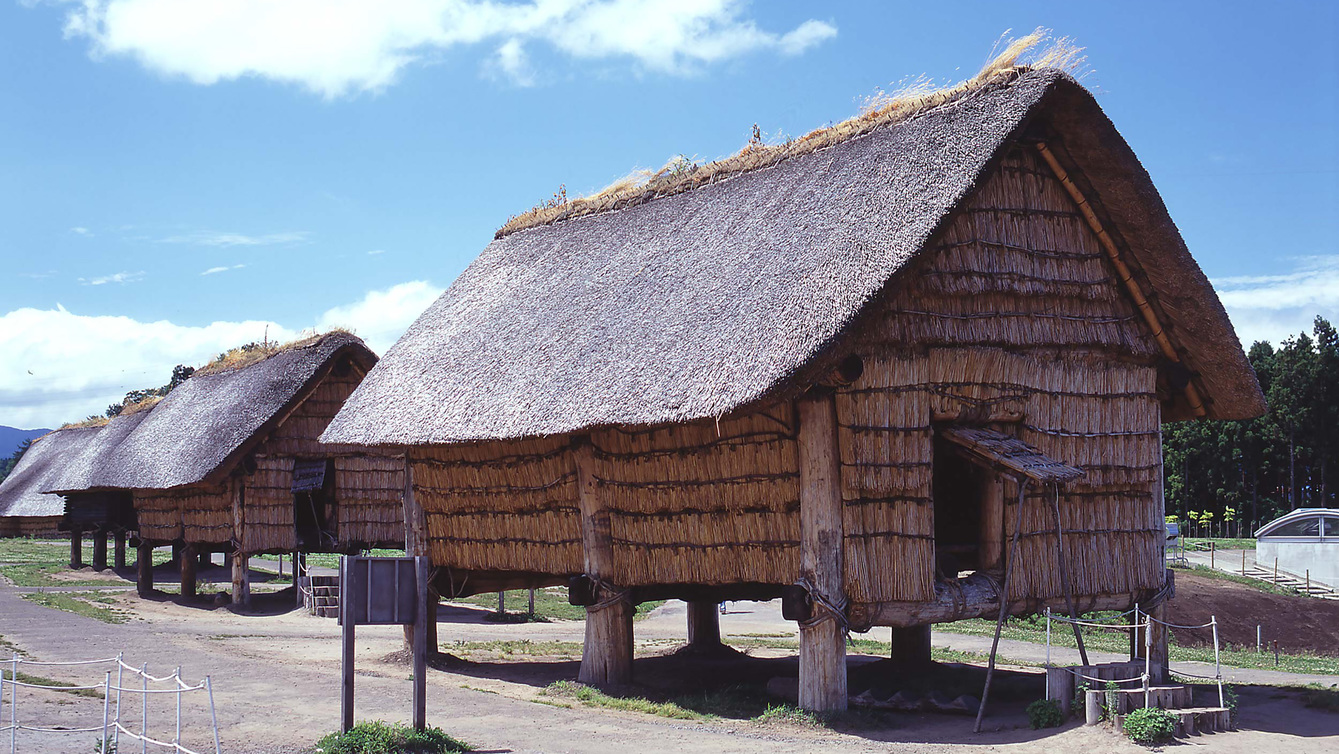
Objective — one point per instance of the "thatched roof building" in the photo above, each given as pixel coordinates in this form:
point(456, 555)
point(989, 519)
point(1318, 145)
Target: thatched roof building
point(834, 370)
point(24, 509)
point(230, 460)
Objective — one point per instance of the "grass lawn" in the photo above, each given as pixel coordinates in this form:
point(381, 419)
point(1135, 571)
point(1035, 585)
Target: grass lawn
point(88, 604)
point(550, 604)
point(31, 562)
point(1219, 543)
point(22, 677)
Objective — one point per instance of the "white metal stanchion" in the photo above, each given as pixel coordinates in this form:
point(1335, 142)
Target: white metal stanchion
point(1048, 651)
point(176, 741)
point(1217, 668)
point(209, 686)
point(144, 708)
point(14, 705)
point(106, 702)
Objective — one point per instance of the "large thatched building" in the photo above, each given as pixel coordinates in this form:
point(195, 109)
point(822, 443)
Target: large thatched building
point(230, 461)
point(830, 368)
point(26, 511)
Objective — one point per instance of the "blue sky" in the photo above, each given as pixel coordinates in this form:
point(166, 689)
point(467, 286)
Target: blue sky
point(176, 178)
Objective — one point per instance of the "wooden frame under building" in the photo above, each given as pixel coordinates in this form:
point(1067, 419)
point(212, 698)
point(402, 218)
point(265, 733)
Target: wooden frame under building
point(821, 379)
point(230, 462)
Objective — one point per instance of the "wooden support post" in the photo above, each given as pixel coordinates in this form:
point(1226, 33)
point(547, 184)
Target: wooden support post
point(119, 549)
point(823, 638)
point(1157, 637)
point(422, 618)
point(911, 648)
point(991, 546)
point(297, 577)
point(205, 558)
point(189, 562)
point(346, 665)
point(76, 548)
point(241, 579)
point(417, 542)
point(704, 625)
point(100, 549)
point(176, 553)
point(144, 568)
point(606, 657)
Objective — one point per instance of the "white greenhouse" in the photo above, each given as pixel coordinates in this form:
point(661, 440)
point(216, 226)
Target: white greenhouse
point(1305, 541)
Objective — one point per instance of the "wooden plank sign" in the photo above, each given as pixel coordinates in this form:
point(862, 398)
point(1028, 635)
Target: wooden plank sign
point(384, 591)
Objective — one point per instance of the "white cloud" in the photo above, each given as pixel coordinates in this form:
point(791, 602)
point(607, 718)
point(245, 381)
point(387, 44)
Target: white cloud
point(1273, 307)
point(334, 48)
point(513, 64)
point(375, 252)
point(217, 270)
point(60, 366)
point(228, 240)
point(80, 230)
point(116, 277)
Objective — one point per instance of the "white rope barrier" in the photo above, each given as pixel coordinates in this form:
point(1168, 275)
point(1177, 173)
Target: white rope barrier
point(112, 727)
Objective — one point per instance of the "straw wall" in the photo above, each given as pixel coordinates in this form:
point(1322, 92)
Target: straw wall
point(30, 526)
point(705, 503)
point(267, 510)
point(200, 513)
point(1013, 318)
point(506, 506)
point(371, 499)
point(297, 435)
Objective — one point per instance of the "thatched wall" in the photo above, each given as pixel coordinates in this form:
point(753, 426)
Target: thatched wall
point(506, 506)
point(31, 526)
point(370, 491)
point(198, 514)
point(267, 506)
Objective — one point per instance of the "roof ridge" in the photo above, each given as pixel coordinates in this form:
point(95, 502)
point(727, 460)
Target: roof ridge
point(882, 110)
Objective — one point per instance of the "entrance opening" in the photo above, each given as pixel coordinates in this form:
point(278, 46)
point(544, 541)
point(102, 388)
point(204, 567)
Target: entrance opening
point(958, 487)
point(314, 504)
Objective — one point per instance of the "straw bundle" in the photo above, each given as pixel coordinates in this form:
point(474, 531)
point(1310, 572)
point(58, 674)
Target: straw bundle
point(267, 517)
point(199, 513)
point(370, 505)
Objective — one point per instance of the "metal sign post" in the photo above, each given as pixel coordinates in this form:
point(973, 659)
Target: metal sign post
point(384, 592)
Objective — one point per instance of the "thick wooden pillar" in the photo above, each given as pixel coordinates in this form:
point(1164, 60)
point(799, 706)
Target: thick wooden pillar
point(704, 624)
point(189, 562)
point(417, 542)
point(606, 656)
point(119, 549)
point(823, 637)
point(144, 569)
point(76, 549)
point(241, 579)
point(205, 559)
point(911, 647)
point(100, 549)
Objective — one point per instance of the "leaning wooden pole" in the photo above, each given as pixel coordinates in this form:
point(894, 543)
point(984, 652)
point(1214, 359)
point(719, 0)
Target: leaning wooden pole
point(1064, 577)
point(1009, 558)
point(823, 636)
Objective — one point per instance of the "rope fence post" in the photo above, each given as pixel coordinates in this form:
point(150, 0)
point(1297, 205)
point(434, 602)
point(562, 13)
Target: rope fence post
point(213, 716)
point(120, 677)
point(1217, 668)
point(106, 702)
point(144, 708)
point(14, 704)
point(1048, 651)
point(176, 741)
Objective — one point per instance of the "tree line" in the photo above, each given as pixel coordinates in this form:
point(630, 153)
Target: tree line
point(1253, 471)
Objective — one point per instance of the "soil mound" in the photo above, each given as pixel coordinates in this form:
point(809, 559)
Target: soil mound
point(1299, 624)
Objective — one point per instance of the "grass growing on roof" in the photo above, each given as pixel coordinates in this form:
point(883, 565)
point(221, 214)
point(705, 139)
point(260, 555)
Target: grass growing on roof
point(254, 353)
point(1037, 50)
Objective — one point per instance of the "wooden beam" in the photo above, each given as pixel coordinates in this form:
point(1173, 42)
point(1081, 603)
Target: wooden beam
point(823, 639)
point(606, 656)
point(704, 625)
point(100, 549)
point(189, 562)
point(1123, 272)
point(991, 545)
point(144, 568)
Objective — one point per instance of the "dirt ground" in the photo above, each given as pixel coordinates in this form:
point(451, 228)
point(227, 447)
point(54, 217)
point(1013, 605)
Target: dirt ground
point(1299, 624)
point(276, 675)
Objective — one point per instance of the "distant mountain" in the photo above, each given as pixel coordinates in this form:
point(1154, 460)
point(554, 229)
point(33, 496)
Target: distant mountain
point(11, 438)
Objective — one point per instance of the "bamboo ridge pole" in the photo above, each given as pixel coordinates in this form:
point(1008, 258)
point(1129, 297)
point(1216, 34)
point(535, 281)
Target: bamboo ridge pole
point(1123, 272)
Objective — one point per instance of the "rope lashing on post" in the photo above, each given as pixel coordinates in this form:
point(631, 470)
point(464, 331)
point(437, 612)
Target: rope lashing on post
point(610, 595)
point(826, 609)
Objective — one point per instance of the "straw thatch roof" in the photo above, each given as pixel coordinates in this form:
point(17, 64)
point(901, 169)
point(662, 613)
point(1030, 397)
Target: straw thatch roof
point(693, 305)
point(21, 492)
point(207, 423)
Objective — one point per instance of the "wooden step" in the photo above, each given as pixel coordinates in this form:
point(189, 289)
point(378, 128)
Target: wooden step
point(1193, 721)
point(1162, 697)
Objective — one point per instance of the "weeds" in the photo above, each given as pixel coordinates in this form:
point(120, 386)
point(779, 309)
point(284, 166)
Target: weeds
point(87, 604)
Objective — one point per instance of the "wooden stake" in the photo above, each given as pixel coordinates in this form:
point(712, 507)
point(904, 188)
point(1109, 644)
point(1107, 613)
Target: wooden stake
point(823, 641)
point(100, 549)
point(76, 549)
point(241, 579)
point(1157, 647)
point(422, 619)
point(119, 549)
point(144, 569)
point(704, 624)
point(606, 657)
point(346, 664)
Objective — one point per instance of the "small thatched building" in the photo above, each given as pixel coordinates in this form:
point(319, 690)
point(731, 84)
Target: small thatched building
point(229, 461)
point(26, 511)
point(831, 368)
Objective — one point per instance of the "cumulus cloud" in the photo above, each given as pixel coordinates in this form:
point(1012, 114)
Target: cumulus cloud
point(61, 366)
point(116, 277)
point(1273, 307)
point(334, 48)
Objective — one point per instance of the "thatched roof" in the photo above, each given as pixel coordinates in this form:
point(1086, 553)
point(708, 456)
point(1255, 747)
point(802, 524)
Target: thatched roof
point(207, 423)
point(21, 492)
point(690, 306)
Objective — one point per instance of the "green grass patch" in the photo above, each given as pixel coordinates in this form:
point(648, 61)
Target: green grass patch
point(325, 559)
point(41, 575)
point(88, 604)
point(550, 604)
point(1219, 543)
point(1316, 696)
point(1256, 584)
point(592, 697)
point(22, 677)
point(524, 647)
point(390, 738)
